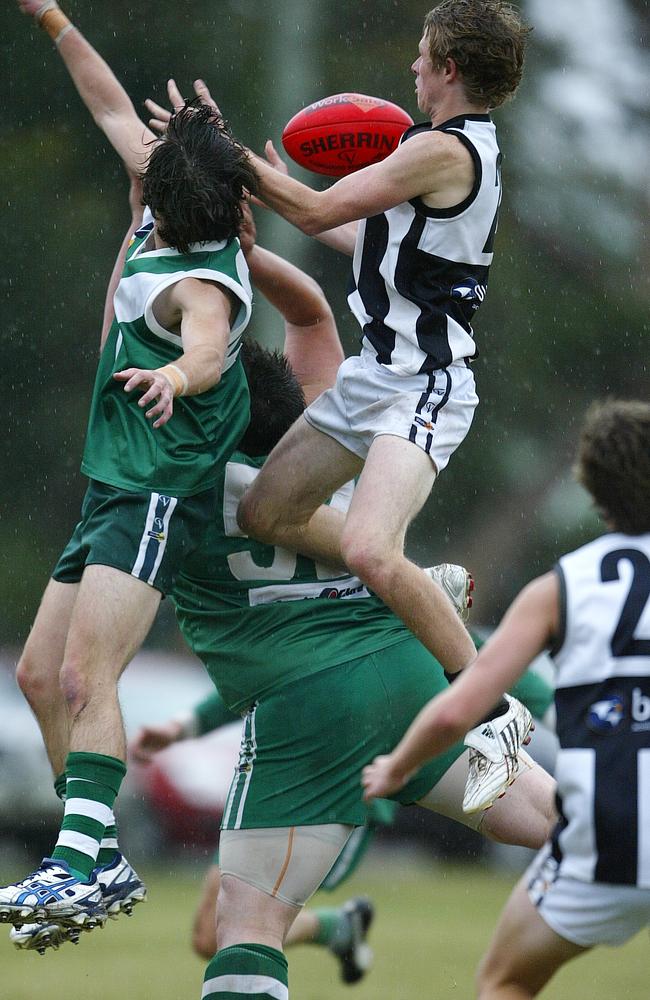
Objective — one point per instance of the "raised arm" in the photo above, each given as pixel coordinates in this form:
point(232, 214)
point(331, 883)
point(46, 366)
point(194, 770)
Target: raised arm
point(528, 627)
point(342, 238)
point(432, 164)
point(103, 95)
point(311, 342)
point(135, 203)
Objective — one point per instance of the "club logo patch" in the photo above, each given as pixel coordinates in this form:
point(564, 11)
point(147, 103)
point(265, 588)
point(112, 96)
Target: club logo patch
point(605, 716)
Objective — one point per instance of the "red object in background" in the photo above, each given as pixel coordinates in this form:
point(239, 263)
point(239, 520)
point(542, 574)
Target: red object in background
point(187, 785)
point(342, 133)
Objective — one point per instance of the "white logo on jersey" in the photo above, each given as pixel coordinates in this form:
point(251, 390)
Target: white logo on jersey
point(640, 711)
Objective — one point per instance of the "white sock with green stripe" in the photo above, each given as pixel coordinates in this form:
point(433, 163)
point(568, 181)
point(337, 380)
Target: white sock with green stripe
point(246, 972)
point(93, 781)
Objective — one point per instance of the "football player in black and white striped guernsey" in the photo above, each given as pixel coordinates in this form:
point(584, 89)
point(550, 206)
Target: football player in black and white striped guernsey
point(590, 884)
point(420, 226)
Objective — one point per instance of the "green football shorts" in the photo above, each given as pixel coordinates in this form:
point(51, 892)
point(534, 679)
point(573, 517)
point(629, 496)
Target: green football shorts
point(148, 535)
point(304, 746)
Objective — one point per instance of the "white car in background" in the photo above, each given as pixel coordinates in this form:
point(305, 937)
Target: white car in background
point(177, 799)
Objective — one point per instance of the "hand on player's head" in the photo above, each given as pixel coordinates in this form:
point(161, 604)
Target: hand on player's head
point(247, 230)
point(32, 7)
point(160, 116)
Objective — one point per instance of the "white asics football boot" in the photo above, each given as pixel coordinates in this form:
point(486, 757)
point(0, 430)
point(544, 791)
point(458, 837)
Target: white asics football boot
point(53, 894)
point(121, 886)
point(121, 889)
point(40, 937)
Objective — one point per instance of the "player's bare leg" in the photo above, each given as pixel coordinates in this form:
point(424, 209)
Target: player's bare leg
point(395, 482)
point(204, 927)
point(281, 507)
point(341, 929)
point(524, 815)
point(39, 665)
point(245, 913)
point(524, 952)
point(111, 619)
point(305, 927)
point(283, 504)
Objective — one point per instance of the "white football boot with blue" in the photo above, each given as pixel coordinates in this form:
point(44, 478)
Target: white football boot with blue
point(40, 937)
point(53, 894)
point(121, 889)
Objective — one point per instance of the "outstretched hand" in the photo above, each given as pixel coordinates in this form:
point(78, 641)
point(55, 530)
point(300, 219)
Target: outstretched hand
point(247, 229)
point(160, 115)
point(155, 386)
point(150, 740)
point(380, 780)
point(33, 7)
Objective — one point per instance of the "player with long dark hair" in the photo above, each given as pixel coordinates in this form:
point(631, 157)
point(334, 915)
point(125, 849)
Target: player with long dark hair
point(170, 403)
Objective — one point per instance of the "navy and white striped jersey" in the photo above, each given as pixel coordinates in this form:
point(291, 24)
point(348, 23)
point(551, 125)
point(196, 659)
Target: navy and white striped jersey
point(419, 274)
point(603, 712)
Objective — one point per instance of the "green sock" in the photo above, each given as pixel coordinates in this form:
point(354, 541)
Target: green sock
point(93, 781)
point(247, 971)
point(59, 785)
point(109, 846)
point(330, 927)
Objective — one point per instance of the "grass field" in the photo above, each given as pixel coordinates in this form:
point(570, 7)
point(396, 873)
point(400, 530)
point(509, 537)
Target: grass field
point(432, 925)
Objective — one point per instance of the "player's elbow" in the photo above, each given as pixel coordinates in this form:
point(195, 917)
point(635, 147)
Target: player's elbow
point(312, 225)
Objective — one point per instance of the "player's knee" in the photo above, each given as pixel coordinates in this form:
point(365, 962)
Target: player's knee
point(35, 683)
point(369, 560)
point(74, 686)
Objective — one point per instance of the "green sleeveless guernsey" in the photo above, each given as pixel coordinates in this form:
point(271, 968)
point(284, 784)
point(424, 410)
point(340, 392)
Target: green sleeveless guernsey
point(182, 457)
point(260, 616)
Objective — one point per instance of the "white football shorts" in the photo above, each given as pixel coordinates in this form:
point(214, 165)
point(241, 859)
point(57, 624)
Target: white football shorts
point(434, 411)
point(586, 913)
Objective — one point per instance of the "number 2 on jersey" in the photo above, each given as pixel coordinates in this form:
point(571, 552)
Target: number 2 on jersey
point(624, 642)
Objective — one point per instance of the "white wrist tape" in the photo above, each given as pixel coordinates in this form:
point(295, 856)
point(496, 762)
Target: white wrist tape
point(48, 5)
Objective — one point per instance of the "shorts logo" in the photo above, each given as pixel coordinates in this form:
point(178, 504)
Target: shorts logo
point(605, 716)
point(424, 423)
point(158, 528)
point(164, 501)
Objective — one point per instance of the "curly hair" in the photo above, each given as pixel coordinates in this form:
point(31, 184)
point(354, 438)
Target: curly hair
point(277, 399)
point(613, 462)
point(486, 39)
point(196, 178)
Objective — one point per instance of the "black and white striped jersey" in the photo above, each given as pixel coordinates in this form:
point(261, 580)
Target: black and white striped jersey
point(419, 274)
point(603, 712)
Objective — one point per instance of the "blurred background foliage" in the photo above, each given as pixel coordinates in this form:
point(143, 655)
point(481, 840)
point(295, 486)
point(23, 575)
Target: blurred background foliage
point(566, 319)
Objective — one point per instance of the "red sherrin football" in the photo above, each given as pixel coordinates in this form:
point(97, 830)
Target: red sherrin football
point(343, 133)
